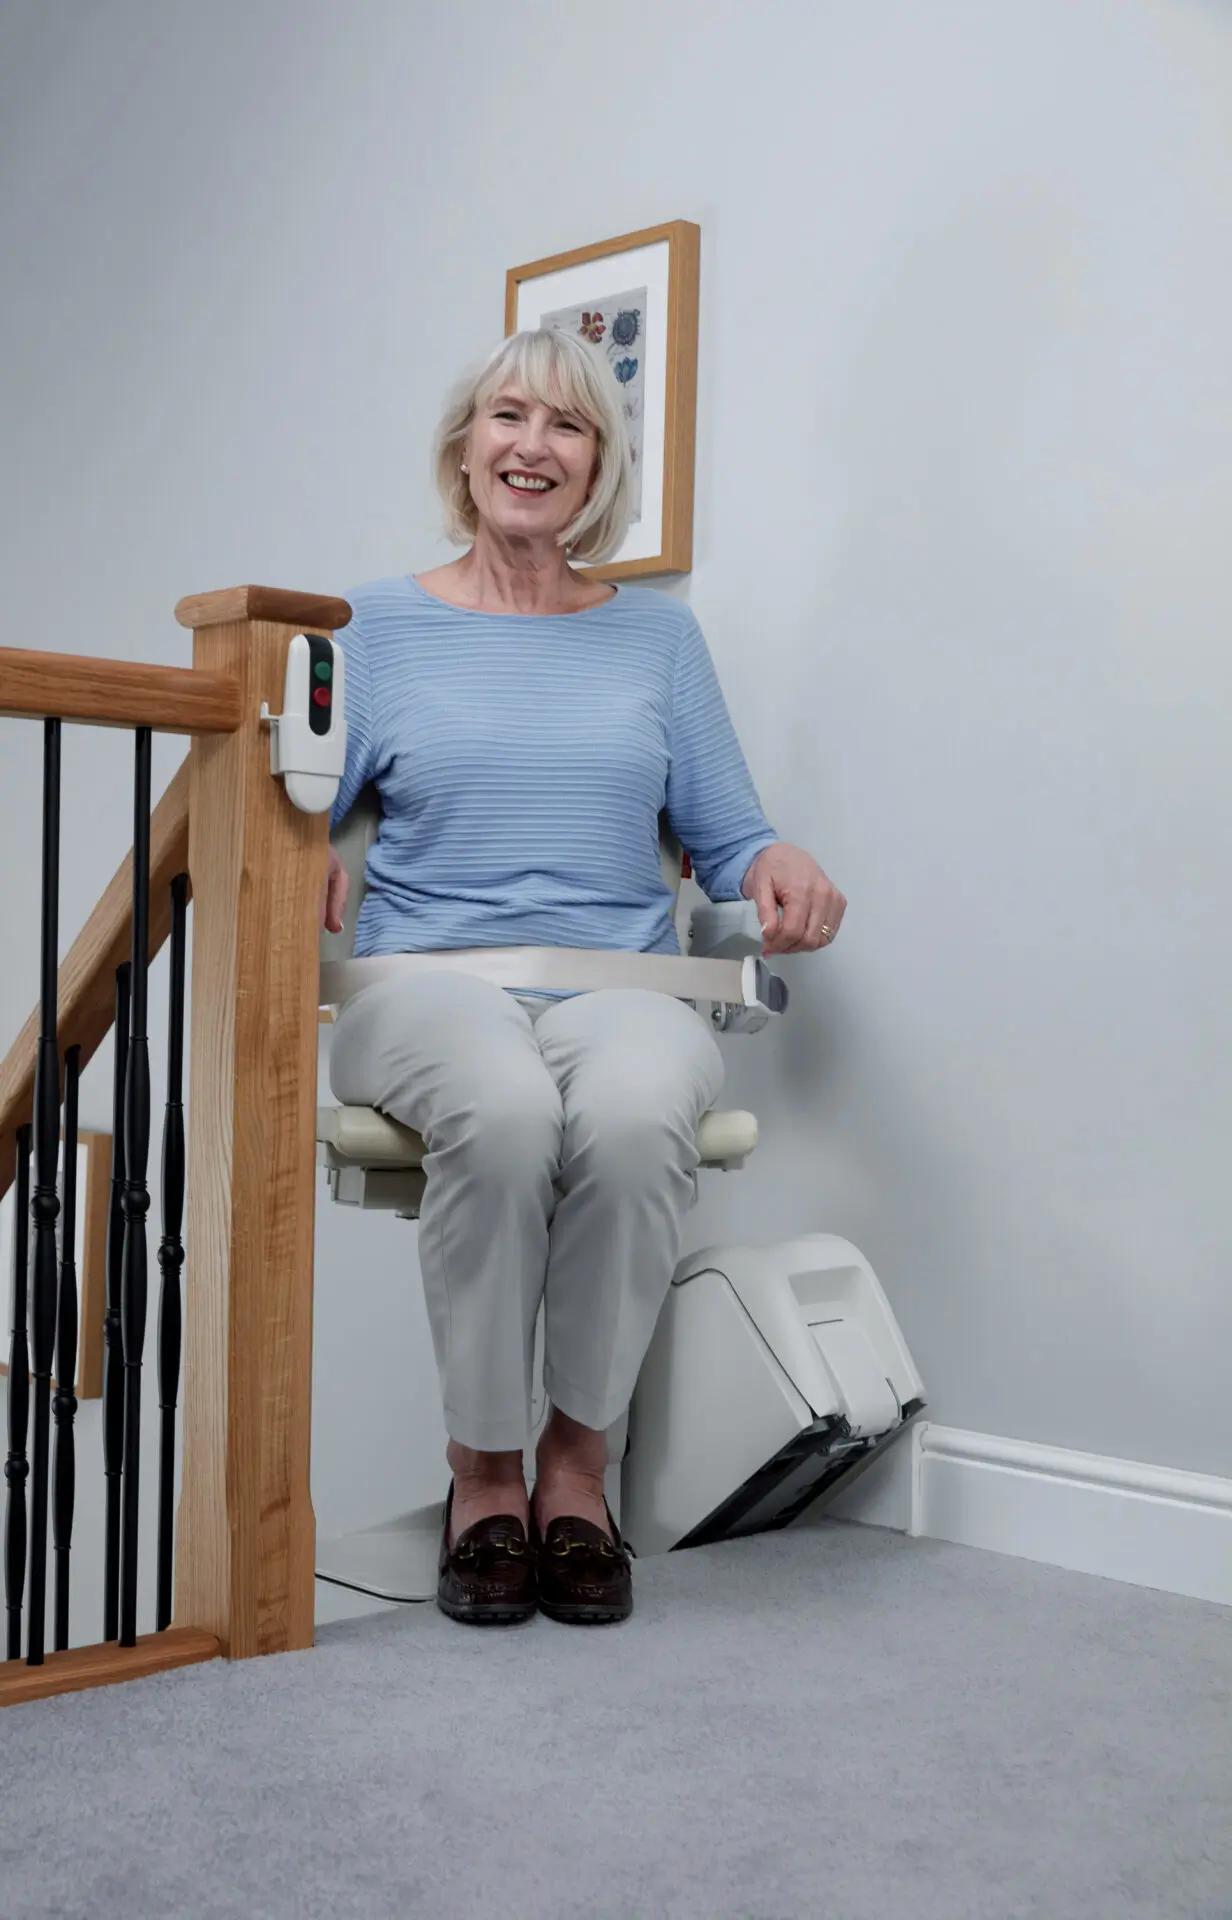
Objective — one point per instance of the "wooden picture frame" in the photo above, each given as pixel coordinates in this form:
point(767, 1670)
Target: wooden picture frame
point(93, 1210)
point(640, 290)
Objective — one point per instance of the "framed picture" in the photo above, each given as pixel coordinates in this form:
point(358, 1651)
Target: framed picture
point(93, 1207)
point(635, 299)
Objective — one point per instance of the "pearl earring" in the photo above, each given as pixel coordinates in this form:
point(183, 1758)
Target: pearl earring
point(465, 468)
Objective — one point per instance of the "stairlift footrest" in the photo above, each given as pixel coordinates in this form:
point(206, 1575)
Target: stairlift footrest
point(394, 1561)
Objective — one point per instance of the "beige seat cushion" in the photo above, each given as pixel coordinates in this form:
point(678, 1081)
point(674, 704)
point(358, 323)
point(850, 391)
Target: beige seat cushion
point(361, 1137)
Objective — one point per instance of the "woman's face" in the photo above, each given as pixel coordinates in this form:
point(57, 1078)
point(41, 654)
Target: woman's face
point(531, 466)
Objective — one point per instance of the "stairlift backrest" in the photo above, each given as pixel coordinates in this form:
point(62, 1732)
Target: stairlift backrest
point(356, 834)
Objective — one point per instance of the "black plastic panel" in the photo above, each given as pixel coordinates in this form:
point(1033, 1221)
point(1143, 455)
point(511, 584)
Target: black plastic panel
point(812, 1464)
point(320, 680)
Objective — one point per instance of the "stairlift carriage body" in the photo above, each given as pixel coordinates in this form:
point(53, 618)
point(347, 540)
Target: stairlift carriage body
point(774, 1373)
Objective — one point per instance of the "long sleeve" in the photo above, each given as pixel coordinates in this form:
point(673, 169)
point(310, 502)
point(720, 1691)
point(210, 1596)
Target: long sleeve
point(360, 757)
point(712, 803)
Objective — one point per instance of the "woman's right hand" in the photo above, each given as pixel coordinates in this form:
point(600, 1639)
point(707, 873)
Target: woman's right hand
point(337, 886)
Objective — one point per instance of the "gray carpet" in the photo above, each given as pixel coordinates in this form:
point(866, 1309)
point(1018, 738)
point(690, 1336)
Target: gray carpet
point(834, 1721)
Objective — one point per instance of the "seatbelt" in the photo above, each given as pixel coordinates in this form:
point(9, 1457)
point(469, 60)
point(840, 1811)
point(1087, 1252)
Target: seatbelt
point(740, 983)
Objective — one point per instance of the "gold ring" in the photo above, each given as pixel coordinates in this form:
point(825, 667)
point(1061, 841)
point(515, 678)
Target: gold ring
point(827, 933)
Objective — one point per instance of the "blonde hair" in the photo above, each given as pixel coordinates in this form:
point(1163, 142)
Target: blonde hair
point(560, 371)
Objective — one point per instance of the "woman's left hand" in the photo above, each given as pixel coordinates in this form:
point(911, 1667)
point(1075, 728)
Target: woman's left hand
point(786, 878)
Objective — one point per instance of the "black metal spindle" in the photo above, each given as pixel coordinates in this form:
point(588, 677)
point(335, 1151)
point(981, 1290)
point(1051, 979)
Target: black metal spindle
point(113, 1351)
point(136, 1193)
point(171, 1253)
point(64, 1404)
point(45, 1204)
point(16, 1466)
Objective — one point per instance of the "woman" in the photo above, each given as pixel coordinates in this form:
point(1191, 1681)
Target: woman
point(525, 726)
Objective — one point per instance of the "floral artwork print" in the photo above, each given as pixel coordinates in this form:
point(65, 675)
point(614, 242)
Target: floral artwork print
point(617, 327)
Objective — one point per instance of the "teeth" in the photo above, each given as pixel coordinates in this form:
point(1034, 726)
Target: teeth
point(526, 484)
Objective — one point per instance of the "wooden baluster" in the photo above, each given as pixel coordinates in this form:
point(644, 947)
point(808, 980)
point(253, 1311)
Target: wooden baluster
point(45, 1204)
point(134, 1284)
point(16, 1467)
point(171, 1254)
point(113, 1346)
point(64, 1404)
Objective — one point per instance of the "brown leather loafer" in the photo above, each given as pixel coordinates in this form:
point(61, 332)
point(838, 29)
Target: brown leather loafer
point(584, 1576)
point(487, 1578)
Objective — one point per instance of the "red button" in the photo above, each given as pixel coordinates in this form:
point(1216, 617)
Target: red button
point(321, 696)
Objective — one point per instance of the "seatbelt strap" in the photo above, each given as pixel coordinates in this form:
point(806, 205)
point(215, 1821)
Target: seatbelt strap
point(747, 982)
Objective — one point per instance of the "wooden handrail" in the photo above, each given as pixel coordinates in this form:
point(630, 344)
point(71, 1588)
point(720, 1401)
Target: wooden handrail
point(87, 973)
point(116, 693)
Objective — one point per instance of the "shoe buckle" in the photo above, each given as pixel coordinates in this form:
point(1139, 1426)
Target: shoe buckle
point(516, 1549)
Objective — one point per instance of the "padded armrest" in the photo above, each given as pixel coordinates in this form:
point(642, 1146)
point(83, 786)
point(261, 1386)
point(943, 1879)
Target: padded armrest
point(725, 930)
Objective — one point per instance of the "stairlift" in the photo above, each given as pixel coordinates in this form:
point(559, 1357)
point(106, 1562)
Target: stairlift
point(775, 1373)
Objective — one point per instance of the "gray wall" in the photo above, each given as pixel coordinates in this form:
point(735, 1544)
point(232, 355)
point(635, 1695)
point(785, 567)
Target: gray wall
point(964, 480)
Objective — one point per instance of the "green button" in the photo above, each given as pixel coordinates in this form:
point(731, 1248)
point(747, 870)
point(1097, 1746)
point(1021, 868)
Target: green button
point(324, 670)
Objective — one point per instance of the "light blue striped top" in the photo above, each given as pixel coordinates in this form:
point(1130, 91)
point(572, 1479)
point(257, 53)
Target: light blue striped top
point(522, 763)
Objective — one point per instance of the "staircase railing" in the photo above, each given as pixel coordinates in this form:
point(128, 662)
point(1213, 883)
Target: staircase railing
point(225, 832)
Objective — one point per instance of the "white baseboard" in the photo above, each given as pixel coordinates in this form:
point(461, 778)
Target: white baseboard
point(1150, 1526)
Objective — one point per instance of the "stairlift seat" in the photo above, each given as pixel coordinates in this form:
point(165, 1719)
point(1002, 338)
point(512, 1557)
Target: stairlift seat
point(371, 1160)
point(774, 1373)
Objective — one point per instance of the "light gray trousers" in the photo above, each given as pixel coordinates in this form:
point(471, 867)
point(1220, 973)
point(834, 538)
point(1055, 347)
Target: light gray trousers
point(560, 1167)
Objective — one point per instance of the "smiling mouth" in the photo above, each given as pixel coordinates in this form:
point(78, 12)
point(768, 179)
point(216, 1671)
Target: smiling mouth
point(527, 482)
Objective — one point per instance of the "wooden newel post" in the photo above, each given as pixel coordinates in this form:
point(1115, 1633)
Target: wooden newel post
point(246, 1534)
